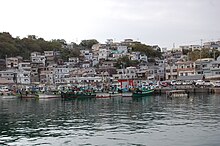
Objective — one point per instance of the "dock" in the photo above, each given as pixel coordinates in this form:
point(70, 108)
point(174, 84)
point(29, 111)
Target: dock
point(190, 90)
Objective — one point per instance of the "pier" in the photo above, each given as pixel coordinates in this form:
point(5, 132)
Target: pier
point(190, 90)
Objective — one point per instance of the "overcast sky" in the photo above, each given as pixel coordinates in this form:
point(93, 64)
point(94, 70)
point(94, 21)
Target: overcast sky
point(161, 22)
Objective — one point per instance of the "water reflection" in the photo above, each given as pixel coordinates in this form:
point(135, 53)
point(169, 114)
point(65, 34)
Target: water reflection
point(153, 120)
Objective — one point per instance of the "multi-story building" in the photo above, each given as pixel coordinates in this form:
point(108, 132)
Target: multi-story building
point(215, 68)
point(35, 72)
point(171, 72)
point(185, 68)
point(36, 57)
point(88, 55)
point(202, 66)
point(127, 73)
point(9, 76)
point(46, 75)
point(13, 62)
point(122, 49)
point(60, 74)
point(24, 66)
point(51, 57)
point(23, 77)
point(156, 73)
point(108, 64)
point(191, 47)
point(103, 53)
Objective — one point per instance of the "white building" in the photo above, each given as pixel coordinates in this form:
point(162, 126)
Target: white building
point(122, 49)
point(127, 73)
point(9, 75)
point(24, 66)
point(191, 47)
point(171, 72)
point(23, 77)
point(103, 53)
point(36, 57)
point(186, 68)
point(87, 54)
point(12, 62)
point(60, 74)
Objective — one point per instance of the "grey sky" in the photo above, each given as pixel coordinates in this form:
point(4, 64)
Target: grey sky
point(161, 22)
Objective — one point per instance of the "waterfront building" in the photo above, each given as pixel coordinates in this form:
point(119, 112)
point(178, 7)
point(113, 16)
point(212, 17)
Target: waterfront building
point(125, 73)
point(215, 69)
point(202, 66)
point(185, 68)
point(8, 76)
point(171, 72)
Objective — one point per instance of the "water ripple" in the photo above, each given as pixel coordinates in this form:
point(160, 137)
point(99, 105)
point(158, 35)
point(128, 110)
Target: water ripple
point(118, 121)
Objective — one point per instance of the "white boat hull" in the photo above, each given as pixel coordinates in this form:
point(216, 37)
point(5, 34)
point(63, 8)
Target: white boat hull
point(46, 96)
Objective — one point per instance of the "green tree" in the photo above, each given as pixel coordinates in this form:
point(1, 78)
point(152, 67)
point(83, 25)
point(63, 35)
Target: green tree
point(87, 44)
point(197, 54)
point(146, 49)
point(125, 61)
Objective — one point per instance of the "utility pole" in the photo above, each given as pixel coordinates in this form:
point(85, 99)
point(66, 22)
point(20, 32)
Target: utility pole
point(200, 56)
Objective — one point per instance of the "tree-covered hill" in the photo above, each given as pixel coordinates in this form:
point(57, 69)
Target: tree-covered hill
point(11, 47)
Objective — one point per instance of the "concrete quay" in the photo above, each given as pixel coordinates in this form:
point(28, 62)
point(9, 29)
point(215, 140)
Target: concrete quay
point(189, 89)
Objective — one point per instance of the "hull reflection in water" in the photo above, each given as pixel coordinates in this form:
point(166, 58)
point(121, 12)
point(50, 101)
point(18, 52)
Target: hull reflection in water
point(152, 120)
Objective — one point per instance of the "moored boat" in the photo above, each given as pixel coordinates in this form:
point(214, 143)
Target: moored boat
point(8, 95)
point(77, 94)
point(27, 95)
point(145, 91)
point(48, 95)
point(177, 93)
point(103, 95)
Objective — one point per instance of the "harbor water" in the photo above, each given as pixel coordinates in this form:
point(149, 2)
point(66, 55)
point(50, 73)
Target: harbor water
point(151, 121)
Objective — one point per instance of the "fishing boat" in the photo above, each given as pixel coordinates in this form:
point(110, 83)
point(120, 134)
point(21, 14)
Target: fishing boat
point(77, 94)
point(48, 95)
point(8, 95)
point(177, 93)
point(143, 92)
point(27, 95)
point(103, 95)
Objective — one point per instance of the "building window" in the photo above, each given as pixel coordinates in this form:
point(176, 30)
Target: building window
point(167, 70)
